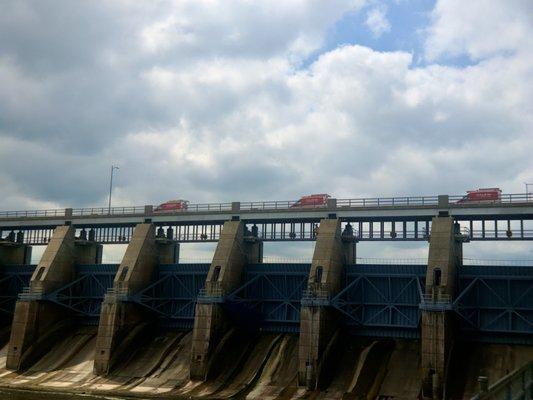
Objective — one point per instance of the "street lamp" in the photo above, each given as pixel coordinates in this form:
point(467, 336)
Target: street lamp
point(113, 168)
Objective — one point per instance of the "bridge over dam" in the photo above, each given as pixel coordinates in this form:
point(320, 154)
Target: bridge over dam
point(240, 327)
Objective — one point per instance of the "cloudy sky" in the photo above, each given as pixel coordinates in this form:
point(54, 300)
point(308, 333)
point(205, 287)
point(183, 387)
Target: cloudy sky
point(247, 100)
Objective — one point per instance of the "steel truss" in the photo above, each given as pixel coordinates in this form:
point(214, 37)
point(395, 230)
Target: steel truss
point(495, 301)
point(13, 278)
point(382, 300)
point(85, 294)
point(270, 296)
point(172, 296)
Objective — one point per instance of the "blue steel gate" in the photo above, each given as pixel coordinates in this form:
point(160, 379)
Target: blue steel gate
point(269, 297)
point(173, 293)
point(84, 295)
point(13, 278)
point(495, 303)
point(382, 300)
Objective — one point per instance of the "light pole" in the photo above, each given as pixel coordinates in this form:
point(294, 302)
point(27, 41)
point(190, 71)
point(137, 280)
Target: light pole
point(113, 168)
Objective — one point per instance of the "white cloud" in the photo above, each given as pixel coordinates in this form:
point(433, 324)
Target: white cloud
point(377, 22)
point(479, 28)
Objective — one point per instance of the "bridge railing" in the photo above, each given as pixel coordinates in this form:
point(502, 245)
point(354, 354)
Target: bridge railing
point(506, 198)
point(33, 213)
point(107, 211)
point(389, 201)
point(406, 201)
point(517, 385)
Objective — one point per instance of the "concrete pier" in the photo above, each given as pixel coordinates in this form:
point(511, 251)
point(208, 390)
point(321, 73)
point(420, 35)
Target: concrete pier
point(445, 257)
point(11, 253)
point(318, 323)
point(233, 252)
point(122, 322)
point(14, 253)
point(37, 322)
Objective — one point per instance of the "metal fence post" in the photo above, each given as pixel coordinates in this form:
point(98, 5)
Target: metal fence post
point(332, 203)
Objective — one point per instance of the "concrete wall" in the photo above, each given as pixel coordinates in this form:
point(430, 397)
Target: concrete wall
point(445, 256)
point(233, 252)
point(38, 323)
point(318, 323)
point(122, 324)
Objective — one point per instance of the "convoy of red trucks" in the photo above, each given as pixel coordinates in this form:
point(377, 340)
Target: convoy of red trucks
point(483, 195)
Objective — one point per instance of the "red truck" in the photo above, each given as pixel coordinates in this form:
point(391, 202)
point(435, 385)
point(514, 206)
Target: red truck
point(172, 206)
point(485, 195)
point(312, 200)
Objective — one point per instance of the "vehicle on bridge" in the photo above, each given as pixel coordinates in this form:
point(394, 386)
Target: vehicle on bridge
point(485, 195)
point(312, 200)
point(172, 206)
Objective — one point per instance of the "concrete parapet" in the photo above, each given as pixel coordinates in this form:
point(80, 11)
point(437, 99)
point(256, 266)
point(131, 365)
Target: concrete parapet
point(233, 252)
point(318, 323)
point(122, 323)
point(35, 321)
point(445, 256)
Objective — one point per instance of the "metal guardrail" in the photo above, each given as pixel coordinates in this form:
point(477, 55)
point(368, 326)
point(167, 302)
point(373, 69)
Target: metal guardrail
point(29, 294)
point(516, 385)
point(317, 294)
point(81, 212)
point(389, 201)
point(406, 201)
point(116, 294)
point(33, 213)
point(436, 302)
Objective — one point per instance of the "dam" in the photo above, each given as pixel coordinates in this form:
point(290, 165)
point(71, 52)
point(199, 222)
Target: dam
point(237, 327)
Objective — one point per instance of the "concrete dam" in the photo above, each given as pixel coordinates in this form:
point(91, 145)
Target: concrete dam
point(239, 328)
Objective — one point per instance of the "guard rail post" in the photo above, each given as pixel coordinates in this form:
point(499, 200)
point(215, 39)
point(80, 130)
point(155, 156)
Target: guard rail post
point(443, 201)
point(148, 210)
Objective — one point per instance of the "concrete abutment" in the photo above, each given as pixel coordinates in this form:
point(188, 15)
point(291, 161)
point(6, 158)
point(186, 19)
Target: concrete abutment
point(234, 250)
point(37, 323)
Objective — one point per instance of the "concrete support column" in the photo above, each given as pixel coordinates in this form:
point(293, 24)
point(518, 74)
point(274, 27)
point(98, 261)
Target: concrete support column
point(122, 322)
point(233, 252)
point(445, 256)
point(37, 322)
point(318, 323)
point(13, 253)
